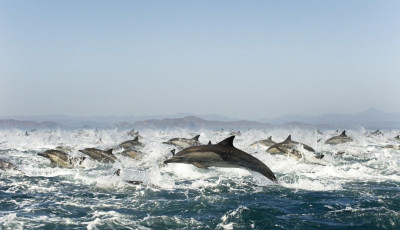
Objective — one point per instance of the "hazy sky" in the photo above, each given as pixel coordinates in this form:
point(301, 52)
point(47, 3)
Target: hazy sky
point(246, 59)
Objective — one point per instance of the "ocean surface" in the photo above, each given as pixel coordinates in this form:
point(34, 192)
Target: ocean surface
point(357, 190)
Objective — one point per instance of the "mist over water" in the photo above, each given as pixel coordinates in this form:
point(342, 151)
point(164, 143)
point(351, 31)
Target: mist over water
point(359, 189)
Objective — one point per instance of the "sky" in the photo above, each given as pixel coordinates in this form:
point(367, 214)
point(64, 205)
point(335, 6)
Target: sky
point(243, 59)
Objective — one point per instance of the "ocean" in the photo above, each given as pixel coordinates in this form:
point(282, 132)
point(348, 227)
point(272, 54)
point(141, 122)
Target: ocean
point(359, 189)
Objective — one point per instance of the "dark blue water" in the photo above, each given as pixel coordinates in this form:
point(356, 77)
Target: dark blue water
point(359, 190)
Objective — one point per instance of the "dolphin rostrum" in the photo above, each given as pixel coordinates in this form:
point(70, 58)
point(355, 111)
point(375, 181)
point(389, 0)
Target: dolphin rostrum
point(61, 159)
point(342, 138)
point(264, 143)
point(289, 147)
point(100, 155)
point(222, 154)
point(131, 143)
point(184, 142)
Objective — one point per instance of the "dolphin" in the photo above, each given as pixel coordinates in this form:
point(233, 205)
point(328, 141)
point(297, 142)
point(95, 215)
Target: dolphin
point(100, 155)
point(289, 147)
point(396, 138)
point(264, 143)
point(235, 133)
point(61, 159)
point(6, 166)
point(342, 138)
point(222, 154)
point(131, 143)
point(184, 142)
point(132, 153)
point(376, 133)
point(134, 134)
point(396, 147)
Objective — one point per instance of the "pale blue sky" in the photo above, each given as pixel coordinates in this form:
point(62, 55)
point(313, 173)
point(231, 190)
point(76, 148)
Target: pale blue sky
point(246, 59)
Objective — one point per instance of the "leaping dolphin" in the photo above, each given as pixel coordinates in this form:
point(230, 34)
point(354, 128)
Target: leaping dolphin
point(396, 138)
point(376, 133)
point(100, 155)
point(264, 143)
point(131, 143)
point(342, 138)
point(61, 159)
point(289, 147)
point(184, 142)
point(223, 154)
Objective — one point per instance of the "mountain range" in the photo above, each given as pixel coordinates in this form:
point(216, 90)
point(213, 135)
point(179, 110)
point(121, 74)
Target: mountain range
point(370, 119)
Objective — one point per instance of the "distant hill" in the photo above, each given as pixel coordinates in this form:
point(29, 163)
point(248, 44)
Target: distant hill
point(196, 122)
point(108, 121)
point(370, 118)
point(11, 123)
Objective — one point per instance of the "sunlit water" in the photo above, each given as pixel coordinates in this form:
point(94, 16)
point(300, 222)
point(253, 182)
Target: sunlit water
point(359, 189)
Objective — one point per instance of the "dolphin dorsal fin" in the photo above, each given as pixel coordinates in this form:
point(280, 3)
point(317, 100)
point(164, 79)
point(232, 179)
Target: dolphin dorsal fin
point(136, 139)
point(289, 138)
point(173, 152)
point(270, 138)
point(227, 142)
point(109, 152)
point(343, 134)
point(196, 138)
point(209, 142)
point(397, 137)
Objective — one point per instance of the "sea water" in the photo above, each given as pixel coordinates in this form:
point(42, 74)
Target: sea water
point(359, 189)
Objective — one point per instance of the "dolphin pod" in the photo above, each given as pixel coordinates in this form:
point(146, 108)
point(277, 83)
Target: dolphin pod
point(223, 154)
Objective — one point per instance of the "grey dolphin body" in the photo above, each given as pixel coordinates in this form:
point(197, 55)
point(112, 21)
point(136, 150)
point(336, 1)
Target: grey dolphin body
point(132, 153)
point(5, 166)
point(289, 147)
point(61, 159)
point(264, 143)
point(342, 138)
point(235, 133)
point(376, 133)
point(397, 138)
point(223, 154)
point(131, 143)
point(100, 155)
point(396, 147)
point(184, 142)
